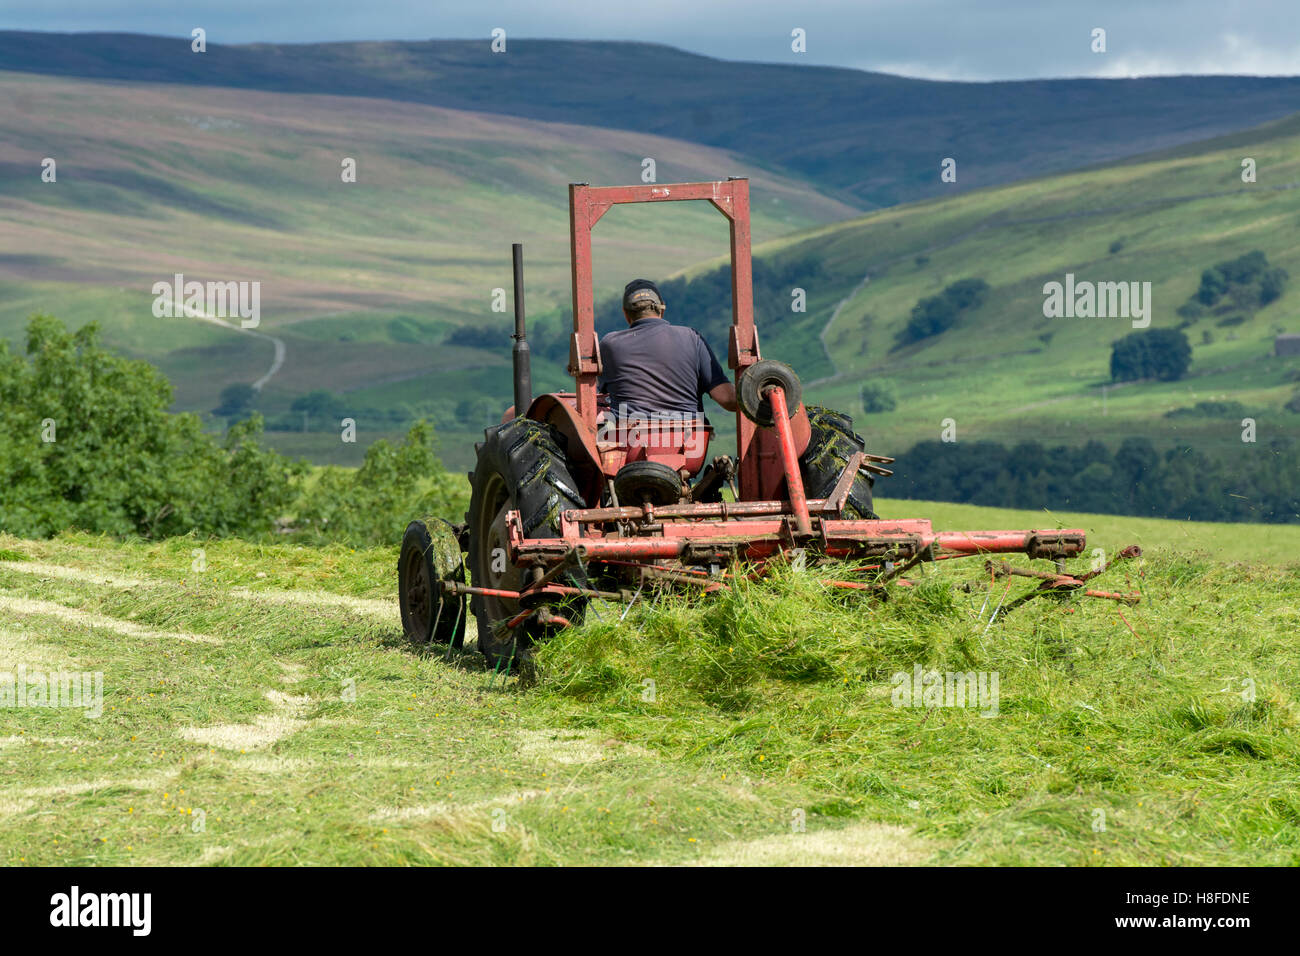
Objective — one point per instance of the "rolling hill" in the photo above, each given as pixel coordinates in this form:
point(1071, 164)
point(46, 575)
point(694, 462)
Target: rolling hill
point(870, 138)
point(360, 282)
point(363, 282)
point(1005, 372)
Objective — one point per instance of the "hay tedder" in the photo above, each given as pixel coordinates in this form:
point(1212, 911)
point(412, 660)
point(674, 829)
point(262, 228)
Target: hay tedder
point(572, 501)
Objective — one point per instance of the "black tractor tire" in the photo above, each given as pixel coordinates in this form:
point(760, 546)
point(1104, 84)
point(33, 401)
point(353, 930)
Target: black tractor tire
point(638, 481)
point(430, 554)
point(832, 444)
point(521, 467)
point(756, 380)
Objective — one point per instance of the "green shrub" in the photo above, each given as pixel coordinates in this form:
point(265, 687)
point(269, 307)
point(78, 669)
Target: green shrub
point(878, 397)
point(374, 503)
point(938, 313)
point(87, 442)
point(1163, 354)
point(1248, 281)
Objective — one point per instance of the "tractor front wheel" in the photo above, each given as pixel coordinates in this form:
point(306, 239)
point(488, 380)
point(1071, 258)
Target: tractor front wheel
point(429, 556)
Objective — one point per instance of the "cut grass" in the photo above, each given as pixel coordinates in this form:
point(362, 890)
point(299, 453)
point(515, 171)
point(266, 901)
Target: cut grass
point(313, 734)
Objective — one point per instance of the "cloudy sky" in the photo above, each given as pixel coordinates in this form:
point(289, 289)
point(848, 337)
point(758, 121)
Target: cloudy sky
point(940, 39)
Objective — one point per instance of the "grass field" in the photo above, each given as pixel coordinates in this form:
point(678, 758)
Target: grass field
point(260, 706)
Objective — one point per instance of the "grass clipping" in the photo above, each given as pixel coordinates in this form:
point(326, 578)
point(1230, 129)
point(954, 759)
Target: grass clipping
point(1161, 733)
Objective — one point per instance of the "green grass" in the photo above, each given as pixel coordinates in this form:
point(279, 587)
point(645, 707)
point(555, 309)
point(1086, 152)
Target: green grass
point(770, 704)
point(1220, 541)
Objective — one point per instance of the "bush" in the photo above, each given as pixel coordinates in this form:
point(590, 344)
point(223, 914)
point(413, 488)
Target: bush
point(1163, 354)
point(878, 397)
point(936, 314)
point(373, 504)
point(1248, 281)
point(237, 401)
point(86, 442)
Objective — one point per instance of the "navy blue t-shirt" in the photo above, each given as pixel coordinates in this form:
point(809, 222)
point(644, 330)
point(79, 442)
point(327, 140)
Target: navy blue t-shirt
point(653, 366)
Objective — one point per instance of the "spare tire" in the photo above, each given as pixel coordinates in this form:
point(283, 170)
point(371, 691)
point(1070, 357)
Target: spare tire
point(832, 444)
point(756, 380)
point(521, 467)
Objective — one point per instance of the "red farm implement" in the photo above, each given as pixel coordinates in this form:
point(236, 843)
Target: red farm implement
point(572, 501)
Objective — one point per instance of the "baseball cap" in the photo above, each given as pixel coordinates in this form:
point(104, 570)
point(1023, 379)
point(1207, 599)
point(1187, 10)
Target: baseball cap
point(639, 291)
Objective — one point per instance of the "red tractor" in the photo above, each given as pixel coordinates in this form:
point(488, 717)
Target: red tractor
point(571, 503)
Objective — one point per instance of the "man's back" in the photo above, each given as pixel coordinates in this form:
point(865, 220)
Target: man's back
point(653, 367)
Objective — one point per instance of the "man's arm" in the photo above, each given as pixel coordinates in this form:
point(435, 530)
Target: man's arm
point(724, 395)
point(713, 380)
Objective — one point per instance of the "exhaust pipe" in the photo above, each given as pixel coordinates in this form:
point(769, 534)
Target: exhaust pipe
point(520, 352)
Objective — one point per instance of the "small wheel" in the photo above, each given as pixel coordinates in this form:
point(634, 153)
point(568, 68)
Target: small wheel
point(756, 380)
point(430, 555)
point(640, 481)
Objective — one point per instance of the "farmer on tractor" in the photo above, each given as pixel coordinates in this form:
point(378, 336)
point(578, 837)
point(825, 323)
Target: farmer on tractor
point(563, 513)
point(652, 368)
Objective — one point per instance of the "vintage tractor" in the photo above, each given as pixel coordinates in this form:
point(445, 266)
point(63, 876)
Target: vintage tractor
point(573, 502)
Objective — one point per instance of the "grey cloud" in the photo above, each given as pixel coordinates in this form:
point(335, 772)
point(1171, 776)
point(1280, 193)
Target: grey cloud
point(942, 39)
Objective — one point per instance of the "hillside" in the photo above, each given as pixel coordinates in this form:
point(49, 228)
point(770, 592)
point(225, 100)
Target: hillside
point(870, 138)
point(1007, 373)
point(262, 708)
point(360, 281)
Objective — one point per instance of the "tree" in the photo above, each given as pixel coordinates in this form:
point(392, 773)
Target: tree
point(877, 397)
point(373, 503)
point(1248, 281)
point(1163, 354)
point(319, 402)
point(938, 313)
point(236, 401)
point(87, 442)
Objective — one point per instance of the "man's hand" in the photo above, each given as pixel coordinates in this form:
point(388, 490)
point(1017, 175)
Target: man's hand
point(724, 395)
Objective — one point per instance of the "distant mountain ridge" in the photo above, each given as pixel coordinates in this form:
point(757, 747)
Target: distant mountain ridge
point(869, 139)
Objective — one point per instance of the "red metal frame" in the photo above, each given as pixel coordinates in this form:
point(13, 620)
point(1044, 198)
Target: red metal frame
point(773, 514)
point(587, 204)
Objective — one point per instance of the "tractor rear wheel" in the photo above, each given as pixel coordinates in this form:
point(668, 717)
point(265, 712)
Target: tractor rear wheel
point(520, 467)
point(832, 444)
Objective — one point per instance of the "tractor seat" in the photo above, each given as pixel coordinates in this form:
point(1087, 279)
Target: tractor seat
point(679, 444)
